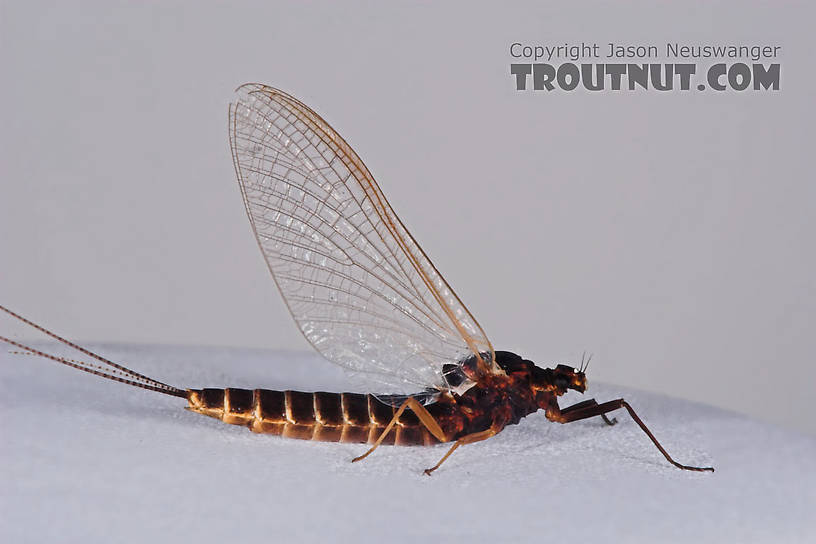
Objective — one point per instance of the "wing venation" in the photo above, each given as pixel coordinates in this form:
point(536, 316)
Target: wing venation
point(360, 288)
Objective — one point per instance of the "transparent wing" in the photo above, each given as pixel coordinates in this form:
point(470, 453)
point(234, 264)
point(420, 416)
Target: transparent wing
point(361, 290)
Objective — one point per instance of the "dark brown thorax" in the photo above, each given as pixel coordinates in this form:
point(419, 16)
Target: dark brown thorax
point(498, 400)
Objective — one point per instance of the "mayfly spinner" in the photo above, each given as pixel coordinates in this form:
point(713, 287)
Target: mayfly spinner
point(366, 296)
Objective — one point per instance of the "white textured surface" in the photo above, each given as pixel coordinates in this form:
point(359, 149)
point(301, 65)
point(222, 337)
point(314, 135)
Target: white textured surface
point(85, 460)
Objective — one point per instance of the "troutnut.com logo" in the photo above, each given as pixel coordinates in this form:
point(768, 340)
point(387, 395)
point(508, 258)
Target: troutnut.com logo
point(719, 67)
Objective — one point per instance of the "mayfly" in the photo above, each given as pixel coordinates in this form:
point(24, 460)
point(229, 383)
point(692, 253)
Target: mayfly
point(367, 297)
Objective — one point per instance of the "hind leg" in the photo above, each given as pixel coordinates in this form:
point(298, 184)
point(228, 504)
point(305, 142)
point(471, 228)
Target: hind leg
point(424, 417)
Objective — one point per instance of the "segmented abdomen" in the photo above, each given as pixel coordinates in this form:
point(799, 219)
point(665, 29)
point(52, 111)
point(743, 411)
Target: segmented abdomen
point(328, 417)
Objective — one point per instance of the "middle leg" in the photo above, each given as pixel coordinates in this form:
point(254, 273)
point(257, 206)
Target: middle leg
point(468, 439)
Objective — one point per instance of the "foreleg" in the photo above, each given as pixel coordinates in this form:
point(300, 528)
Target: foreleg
point(591, 408)
point(587, 403)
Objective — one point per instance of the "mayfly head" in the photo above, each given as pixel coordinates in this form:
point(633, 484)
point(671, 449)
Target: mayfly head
point(565, 377)
point(559, 380)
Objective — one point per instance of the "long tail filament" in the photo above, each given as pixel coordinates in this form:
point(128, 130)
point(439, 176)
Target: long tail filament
point(119, 373)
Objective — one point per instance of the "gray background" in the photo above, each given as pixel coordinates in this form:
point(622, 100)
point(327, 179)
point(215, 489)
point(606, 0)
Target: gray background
point(668, 233)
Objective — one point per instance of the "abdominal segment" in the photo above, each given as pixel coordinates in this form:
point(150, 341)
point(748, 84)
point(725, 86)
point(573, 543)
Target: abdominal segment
point(328, 417)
